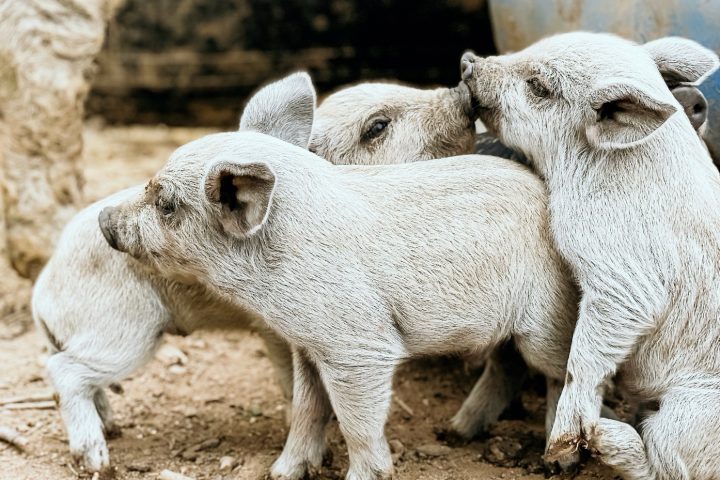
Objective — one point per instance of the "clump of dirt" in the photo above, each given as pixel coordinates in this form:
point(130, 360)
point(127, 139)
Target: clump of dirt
point(209, 408)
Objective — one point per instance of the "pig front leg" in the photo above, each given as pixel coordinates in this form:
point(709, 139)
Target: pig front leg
point(500, 382)
point(305, 445)
point(605, 335)
point(360, 389)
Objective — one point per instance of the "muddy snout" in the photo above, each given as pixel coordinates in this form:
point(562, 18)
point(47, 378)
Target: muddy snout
point(107, 226)
point(694, 103)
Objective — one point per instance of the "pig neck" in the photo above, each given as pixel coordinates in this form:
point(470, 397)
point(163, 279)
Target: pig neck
point(666, 161)
point(312, 213)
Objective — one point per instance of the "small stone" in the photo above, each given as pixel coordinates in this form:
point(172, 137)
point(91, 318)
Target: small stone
point(171, 355)
point(208, 444)
point(227, 463)
point(177, 369)
point(434, 450)
point(138, 467)
point(190, 455)
point(255, 411)
point(396, 446)
point(170, 475)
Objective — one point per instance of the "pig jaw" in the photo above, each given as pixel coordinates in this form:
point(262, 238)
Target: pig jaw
point(482, 78)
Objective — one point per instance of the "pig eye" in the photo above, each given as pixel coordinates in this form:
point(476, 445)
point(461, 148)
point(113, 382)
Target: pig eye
point(537, 88)
point(377, 128)
point(165, 209)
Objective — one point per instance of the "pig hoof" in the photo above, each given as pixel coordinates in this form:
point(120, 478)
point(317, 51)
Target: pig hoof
point(565, 450)
point(94, 457)
point(450, 437)
point(112, 430)
point(464, 431)
point(284, 471)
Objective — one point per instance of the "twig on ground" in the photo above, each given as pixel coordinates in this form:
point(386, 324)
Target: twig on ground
point(33, 397)
point(47, 405)
point(14, 438)
point(404, 406)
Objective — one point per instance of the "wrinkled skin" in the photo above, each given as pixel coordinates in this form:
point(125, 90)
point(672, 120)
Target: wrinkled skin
point(633, 206)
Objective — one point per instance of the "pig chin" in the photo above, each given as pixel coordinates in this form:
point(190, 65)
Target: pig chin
point(490, 118)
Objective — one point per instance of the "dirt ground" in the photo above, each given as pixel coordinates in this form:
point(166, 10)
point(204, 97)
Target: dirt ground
point(218, 398)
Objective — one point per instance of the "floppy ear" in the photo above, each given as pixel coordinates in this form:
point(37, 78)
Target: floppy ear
point(244, 193)
point(681, 60)
point(283, 110)
point(625, 114)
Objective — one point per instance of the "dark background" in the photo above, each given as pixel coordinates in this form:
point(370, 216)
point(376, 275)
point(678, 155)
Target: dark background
point(194, 62)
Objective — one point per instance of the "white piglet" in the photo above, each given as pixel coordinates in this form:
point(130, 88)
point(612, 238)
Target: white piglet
point(358, 267)
point(635, 209)
point(104, 313)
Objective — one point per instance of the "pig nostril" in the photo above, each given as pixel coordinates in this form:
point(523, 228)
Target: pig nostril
point(697, 109)
point(467, 63)
point(467, 70)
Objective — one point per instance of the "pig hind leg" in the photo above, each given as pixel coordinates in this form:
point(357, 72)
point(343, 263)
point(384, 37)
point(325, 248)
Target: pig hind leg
point(501, 380)
point(102, 405)
point(79, 375)
point(77, 384)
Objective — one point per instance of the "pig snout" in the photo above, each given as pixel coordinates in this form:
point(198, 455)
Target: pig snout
point(694, 103)
point(467, 65)
point(107, 226)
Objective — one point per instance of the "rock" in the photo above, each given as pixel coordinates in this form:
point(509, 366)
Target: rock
point(177, 370)
point(138, 467)
point(208, 444)
point(505, 451)
point(190, 455)
point(227, 463)
point(396, 446)
point(170, 475)
point(171, 355)
point(433, 450)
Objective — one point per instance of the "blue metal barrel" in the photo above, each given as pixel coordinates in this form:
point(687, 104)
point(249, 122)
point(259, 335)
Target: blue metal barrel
point(518, 23)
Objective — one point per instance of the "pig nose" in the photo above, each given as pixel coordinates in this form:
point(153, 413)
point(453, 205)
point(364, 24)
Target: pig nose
point(694, 103)
point(107, 228)
point(467, 65)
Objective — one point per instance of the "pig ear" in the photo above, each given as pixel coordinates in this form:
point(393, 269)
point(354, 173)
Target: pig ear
point(681, 60)
point(283, 110)
point(625, 114)
point(244, 194)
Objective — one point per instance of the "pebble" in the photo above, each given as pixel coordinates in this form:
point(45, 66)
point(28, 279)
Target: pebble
point(396, 446)
point(227, 463)
point(433, 450)
point(138, 467)
point(208, 444)
point(170, 475)
point(177, 369)
point(397, 449)
point(171, 355)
